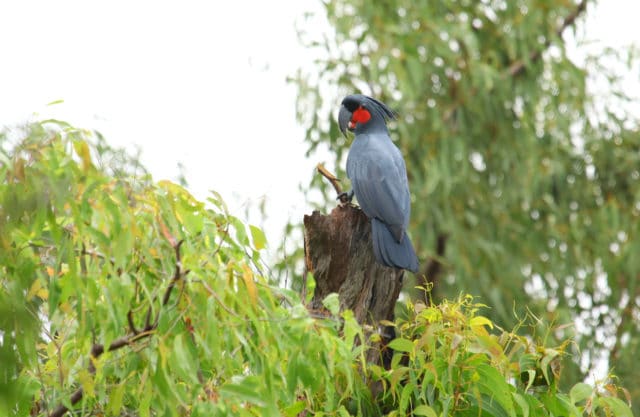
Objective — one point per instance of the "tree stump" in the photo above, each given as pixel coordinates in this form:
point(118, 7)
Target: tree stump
point(339, 253)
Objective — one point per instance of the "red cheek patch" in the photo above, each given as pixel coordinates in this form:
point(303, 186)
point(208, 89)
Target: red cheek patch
point(361, 115)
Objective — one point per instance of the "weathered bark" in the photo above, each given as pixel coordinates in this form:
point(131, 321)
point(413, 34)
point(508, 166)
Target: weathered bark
point(338, 250)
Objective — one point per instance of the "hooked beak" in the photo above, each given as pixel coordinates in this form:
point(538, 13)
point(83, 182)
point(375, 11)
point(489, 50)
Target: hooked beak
point(344, 120)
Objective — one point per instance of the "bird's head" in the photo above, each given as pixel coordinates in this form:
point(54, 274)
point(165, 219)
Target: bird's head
point(360, 113)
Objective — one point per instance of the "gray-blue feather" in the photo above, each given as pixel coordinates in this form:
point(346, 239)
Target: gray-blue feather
point(390, 252)
point(378, 175)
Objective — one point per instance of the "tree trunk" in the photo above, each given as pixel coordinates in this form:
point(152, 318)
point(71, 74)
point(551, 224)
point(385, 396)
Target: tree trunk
point(338, 251)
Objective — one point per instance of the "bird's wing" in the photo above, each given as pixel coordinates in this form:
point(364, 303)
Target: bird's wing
point(380, 184)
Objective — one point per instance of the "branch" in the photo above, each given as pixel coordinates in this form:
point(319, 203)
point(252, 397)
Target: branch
point(98, 349)
point(176, 275)
point(519, 66)
point(132, 326)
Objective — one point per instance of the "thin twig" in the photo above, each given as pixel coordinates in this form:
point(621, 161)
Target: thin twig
point(147, 320)
point(176, 275)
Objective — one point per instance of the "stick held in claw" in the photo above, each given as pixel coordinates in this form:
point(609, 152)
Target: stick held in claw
point(335, 181)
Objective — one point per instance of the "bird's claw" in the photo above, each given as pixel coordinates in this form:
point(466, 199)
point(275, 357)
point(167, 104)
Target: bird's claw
point(345, 197)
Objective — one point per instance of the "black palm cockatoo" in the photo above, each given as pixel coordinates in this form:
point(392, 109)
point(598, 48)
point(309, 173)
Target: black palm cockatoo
point(379, 178)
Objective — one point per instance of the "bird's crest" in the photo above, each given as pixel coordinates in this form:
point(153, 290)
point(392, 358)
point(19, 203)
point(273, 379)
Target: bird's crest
point(359, 109)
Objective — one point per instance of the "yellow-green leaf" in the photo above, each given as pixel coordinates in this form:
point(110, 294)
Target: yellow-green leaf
point(35, 288)
point(247, 277)
point(258, 237)
point(115, 399)
point(481, 321)
point(82, 149)
point(87, 381)
point(145, 400)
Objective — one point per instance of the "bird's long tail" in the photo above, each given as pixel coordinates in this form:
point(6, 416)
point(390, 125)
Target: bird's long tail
point(389, 251)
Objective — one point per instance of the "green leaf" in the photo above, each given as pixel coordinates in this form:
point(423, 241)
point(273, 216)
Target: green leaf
point(183, 360)
point(144, 407)
point(405, 396)
point(241, 231)
point(402, 345)
point(521, 401)
point(536, 408)
point(245, 390)
point(424, 410)
point(559, 404)
point(294, 409)
point(163, 385)
point(342, 411)
point(550, 354)
point(580, 392)
point(493, 385)
point(484, 406)
point(616, 406)
point(332, 303)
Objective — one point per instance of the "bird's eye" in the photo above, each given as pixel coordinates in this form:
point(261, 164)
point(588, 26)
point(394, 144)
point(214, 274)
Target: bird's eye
point(351, 106)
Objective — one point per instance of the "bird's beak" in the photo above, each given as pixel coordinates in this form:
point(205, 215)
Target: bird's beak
point(344, 120)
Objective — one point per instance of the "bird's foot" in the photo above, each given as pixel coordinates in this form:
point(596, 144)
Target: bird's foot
point(346, 197)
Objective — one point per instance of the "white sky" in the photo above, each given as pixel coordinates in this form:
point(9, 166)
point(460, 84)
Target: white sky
point(197, 82)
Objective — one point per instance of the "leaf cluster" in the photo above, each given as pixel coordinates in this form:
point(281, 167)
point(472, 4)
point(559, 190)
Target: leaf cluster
point(119, 295)
point(450, 360)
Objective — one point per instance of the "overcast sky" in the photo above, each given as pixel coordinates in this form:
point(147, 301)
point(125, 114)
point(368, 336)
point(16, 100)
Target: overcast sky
point(196, 82)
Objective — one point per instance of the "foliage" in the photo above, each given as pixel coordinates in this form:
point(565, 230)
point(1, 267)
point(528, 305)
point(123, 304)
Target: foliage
point(449, 360)
point(524, 176)
point(121, 296)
